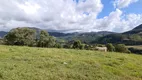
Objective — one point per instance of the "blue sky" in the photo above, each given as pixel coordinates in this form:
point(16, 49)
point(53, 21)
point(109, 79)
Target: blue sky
point(71, 15)
point(135, 8)
point(108, 7)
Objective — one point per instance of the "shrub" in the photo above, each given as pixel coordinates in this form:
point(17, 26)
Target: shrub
point(2, 41)
point(136, 51)
point(82, 46)
point(110, 47)
point(58, 45)
point(121, 48)
point(78, 45)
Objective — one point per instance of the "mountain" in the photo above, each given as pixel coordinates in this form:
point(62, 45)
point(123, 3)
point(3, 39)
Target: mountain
point(55, 34)
point(136, 30)
point(86, 37)
point(2, 34)
point(132, 37)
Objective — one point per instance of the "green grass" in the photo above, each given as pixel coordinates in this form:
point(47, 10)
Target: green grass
point(26, 63)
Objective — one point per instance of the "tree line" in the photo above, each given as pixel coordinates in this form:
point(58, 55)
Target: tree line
point(29, 37)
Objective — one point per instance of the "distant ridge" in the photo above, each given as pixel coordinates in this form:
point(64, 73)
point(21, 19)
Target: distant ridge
point(2, 34)
point(132, 37)
point(86, 37)
point(136, 30)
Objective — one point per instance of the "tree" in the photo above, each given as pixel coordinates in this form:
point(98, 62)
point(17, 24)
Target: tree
point(58, 45)
point(20, 36)
point(52, 41)
point(135, 37)
point(1, 41)
point(78, 45)
point(121, 48)
point(45, 40)
point(110, 47)
point(82, 46)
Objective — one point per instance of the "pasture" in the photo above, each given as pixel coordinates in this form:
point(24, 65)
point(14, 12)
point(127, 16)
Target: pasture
point(27, 63)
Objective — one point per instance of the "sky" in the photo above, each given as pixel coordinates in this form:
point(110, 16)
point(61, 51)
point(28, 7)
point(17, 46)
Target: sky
point(71, 15)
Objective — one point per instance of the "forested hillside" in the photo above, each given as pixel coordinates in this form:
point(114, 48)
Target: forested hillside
point(132, 37)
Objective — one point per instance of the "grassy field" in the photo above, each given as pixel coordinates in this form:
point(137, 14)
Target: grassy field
point(25, 63)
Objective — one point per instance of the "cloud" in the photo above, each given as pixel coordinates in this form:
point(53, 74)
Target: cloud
point(110, 22)
point(123, 3)
point(53, 14)
point(119, 22)
point(64, 15)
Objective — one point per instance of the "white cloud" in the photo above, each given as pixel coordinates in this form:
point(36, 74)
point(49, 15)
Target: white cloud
point(110, 22)
point(51, 14)
point(64, 15)
point(123, 3)
point(29, 8)
point(118, 22)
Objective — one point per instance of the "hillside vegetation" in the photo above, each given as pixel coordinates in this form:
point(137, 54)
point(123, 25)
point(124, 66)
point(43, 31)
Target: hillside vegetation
point(26, 63)
point(132, 37)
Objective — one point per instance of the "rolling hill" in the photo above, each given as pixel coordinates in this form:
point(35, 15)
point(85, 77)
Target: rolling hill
point(132, 37)
point(2, 33)
point(84, 37)
point(27, 63)
point(137, 30)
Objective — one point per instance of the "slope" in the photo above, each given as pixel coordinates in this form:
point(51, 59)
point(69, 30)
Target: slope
point(26, 63)
point(132, 37)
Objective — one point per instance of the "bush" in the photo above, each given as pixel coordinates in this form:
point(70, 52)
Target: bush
point(82, 46)
point(87, 47)
point(58, 45)
point(78, 45)
point(121, 48)
point(110, 47)
point(136, 51)
point(1, 41)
